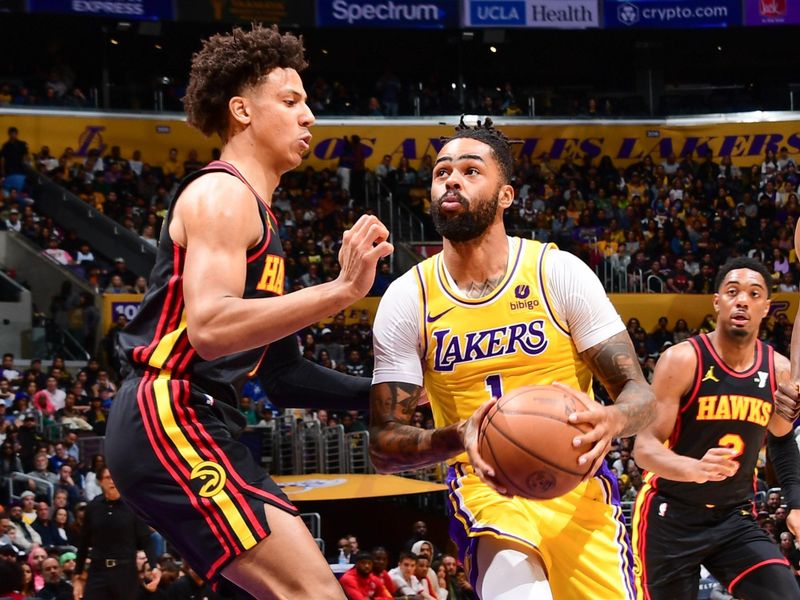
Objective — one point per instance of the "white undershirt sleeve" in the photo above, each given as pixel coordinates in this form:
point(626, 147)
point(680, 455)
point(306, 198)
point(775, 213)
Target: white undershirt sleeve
point(579, 299)
point(395, 333)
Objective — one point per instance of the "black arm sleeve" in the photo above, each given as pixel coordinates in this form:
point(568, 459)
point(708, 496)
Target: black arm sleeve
point(785, 458)
point(292, 381)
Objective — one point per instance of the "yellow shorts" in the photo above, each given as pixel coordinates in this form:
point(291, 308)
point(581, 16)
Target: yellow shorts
point(581, 536)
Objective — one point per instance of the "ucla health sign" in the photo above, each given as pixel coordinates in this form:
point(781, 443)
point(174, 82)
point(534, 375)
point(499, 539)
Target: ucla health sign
point(120, 9)
point(671, 14)
point(771, 12)
point(417, 14)
point(555, 14)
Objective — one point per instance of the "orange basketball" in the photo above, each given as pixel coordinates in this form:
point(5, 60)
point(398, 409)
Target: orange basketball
point(526, 438)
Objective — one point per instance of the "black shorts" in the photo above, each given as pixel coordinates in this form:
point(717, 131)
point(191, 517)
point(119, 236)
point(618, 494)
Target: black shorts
point(671, 540)
point(176, 463)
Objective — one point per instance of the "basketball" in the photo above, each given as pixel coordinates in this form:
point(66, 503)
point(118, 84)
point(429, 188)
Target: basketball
point(526, 439)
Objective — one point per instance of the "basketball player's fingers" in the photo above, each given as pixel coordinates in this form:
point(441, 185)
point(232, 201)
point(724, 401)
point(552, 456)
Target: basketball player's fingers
point(592, 416)
point(374, 234)
point(594, 457)
point(382, 250)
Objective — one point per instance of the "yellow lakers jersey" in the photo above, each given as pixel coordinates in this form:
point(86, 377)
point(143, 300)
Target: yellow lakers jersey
point(474, 349)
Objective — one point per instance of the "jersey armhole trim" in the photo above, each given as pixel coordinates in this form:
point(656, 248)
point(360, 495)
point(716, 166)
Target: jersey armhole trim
point(423, 333)
point(562, 327)
point(698, 376)
point(773, 380)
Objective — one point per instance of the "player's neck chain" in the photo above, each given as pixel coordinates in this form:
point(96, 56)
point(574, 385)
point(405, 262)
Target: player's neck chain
point(479, 290)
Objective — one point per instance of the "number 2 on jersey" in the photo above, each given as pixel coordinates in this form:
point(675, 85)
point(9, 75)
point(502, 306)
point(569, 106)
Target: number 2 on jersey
point(734, 442)
point(494, 384)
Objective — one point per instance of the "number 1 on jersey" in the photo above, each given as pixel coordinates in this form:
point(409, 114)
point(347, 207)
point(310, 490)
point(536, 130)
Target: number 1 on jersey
point(495, 385)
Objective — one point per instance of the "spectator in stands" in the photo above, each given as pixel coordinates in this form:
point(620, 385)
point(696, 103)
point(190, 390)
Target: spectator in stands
point(171, 166)
point(41, 471)
point(67, 483)
point(10, 372)
point(26, 536)
point(117, 286)
point(13, 223)
point(13, 160)
point(360, 583)
point(773, 501)
point(380, 560)
point(403, 577)
point(9, 460)
point(55, 587)
point(791, 552)
point(6, 395)
point(121, 269)
point(52, 395)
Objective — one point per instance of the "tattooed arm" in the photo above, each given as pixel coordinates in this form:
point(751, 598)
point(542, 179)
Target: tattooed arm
point(615, 364)
point(604, 346)
point(395, 445)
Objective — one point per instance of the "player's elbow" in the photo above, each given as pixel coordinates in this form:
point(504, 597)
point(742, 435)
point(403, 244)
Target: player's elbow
point(205, 343)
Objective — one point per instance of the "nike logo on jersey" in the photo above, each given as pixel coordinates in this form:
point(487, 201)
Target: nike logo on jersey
point(433, 319)
point(709, 376)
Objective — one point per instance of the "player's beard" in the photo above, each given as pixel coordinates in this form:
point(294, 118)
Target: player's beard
point(468, 224)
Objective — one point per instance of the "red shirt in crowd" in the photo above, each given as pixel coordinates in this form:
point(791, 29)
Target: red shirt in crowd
point(363, 587)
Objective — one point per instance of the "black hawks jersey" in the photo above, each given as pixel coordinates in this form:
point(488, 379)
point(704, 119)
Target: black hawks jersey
point(156, 338)
point(723, 408)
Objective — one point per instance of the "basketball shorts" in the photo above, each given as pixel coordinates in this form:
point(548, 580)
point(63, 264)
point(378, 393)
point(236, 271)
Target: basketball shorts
point(580, 537)
point(175, 461)
point(671, 540)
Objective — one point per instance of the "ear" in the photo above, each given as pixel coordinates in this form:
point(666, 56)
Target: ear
point(716, 303)
point(767, 307)
point(239, 110)
point(506, 196)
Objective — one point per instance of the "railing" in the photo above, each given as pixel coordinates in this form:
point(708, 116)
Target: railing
point(22, 478)
point(403, 224)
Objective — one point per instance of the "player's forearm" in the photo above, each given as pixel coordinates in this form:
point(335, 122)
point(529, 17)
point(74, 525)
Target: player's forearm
point(228, 325)
point(795, 349)
point(653, 456)
point(636, 405)
point(395, 447)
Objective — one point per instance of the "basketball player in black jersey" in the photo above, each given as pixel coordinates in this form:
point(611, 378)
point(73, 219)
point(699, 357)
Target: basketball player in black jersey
point(215, 311)
point(716, 401)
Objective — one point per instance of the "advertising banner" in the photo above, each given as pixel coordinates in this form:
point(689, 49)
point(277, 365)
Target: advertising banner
point(280, 12)
point(119, 305)
point(141, 10)
point(398, 14)
point(771, 12)
point(671, 14)
point(625, 143)
point(554, 14)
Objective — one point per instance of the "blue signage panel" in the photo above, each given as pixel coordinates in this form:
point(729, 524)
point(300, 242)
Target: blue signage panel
point(143, 10)
point(552, 14)
point(399, 14)
point(671, 14)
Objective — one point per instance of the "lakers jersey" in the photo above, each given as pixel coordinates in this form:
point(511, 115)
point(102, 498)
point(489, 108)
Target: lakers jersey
point(156, 338)
point(724, 408)
point(476, 349)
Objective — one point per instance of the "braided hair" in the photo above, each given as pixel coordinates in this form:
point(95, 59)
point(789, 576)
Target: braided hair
point(494, 138)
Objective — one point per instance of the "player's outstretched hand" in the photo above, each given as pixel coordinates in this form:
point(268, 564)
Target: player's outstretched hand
point(362, 247)
point(468, 429)
point(716, 465)
point(787, 400)
point(606, 423)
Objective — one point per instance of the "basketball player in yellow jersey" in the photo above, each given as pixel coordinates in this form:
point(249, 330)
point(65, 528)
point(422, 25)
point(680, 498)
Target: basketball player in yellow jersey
point(487, 315)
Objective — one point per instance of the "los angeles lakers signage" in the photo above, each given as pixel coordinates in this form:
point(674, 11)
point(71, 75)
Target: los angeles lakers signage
point(745, 138)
